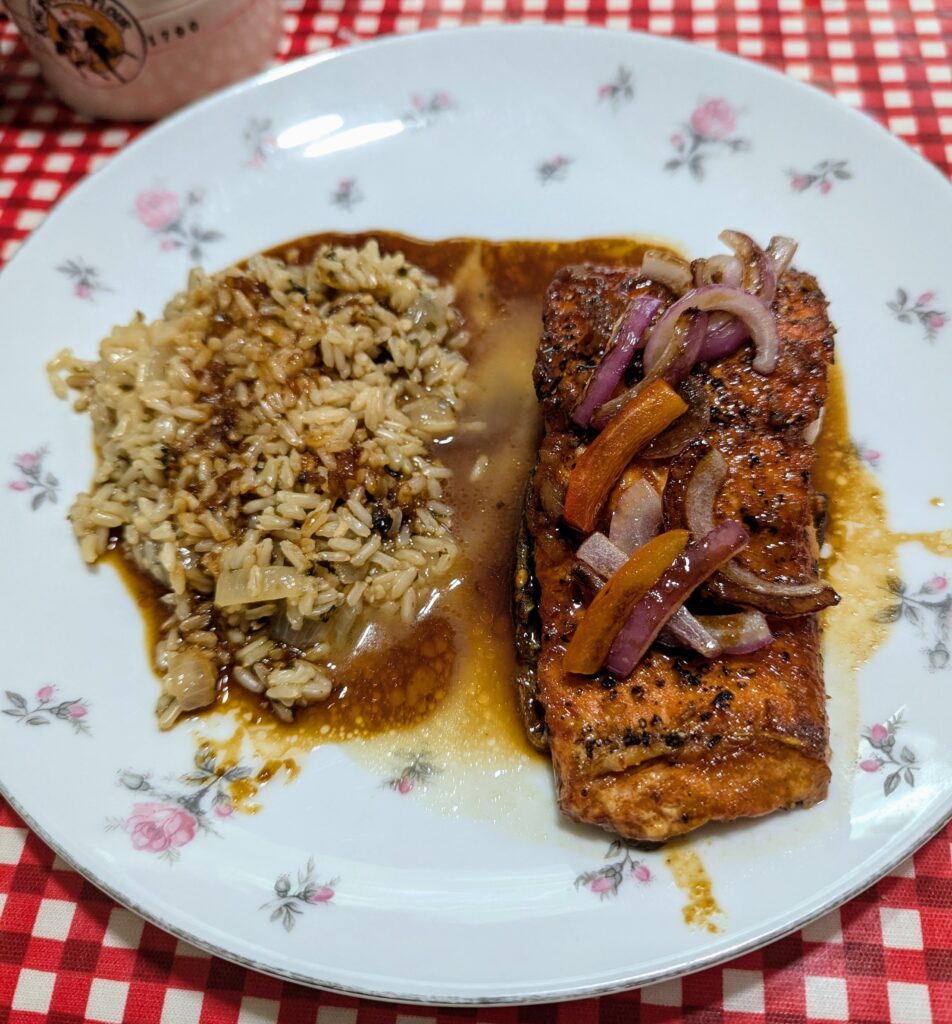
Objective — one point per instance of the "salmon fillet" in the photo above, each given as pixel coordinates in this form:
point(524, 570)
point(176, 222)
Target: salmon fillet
point(683, 740)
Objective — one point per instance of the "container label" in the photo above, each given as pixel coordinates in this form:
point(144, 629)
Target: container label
point(99, 39)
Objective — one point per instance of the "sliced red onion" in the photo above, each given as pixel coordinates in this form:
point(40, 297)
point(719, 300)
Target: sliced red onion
point(812, 430)
point(778, 598)
point(723, 339)
point(719, 270)
point(670, 360)
point(714, 635)
point(664, 344)
point(740, 633)
point(781, 251)
point(746, 307)
point(685, 629)
point(689, 570)
point(727, 334)
point(686, 427)
point(673, 347)
point(667, 269)
point(599, 554)
point(701, 493)
point(757, 269)
point(636, 518)
point(627, 338)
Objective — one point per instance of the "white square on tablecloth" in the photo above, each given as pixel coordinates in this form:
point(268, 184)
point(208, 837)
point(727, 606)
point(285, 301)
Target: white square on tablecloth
point(27, 220)
point(182, 1007)
point(45, 190)
point(258, 1011)
point(903, 125)
point(827, 998)
point(664, 993)
point(58, 163)
point(107, 1000)
point(34, 991)
point(15, 163)
point(11, 844)
point(744, 991)
point(53, 919)
point(336, 1015)
point(124, 930)
point(183, 948)
point(824, 929)
point(886, 49)
point(897, 73)
point(750, 47)
point(908, 1003)
point(893, 98)
point(902, 929)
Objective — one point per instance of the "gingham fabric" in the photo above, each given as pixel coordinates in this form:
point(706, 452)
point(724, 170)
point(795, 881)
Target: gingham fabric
point(68, 954)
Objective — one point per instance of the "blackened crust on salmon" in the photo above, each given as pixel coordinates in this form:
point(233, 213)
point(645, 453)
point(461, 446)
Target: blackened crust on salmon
point(528, 640)
point(684, 740)
point(582, 306)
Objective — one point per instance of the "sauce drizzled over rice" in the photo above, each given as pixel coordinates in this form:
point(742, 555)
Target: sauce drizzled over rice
point(266, 455)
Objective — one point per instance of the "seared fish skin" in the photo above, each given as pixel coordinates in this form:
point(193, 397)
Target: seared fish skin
point(684, 740)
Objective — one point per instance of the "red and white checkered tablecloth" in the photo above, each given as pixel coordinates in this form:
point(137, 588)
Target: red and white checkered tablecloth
point(69, 954)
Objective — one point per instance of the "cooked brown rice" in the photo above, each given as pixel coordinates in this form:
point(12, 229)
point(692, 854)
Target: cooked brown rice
point(266, 457)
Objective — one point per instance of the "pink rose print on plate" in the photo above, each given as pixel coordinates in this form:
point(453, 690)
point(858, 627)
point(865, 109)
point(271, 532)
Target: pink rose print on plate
point(881, 737)
point(922, 311)
point(417, 771)
point(160, 827)
point(709, 130)
point(554, 169)
point(871, 456)
point(158, 210)
point(171, 818)
point(714, 119)
point(260, 140)
point(347, 195)
point(928, 610)
point(85, 279)
point(175, 221)
point(45, 710)
point(821, 177)
point(608, 879)
point(291, 902)
point(424, 110)
point(620, 90)
point(32, 476)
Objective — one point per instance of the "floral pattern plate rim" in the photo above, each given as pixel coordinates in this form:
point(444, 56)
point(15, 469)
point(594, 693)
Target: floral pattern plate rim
point(361, 874)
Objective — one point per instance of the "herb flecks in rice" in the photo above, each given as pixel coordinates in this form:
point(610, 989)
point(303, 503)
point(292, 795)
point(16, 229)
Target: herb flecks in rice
point(266, 456)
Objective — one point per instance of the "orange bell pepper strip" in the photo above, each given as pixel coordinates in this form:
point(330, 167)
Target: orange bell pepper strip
point(612, 605)
point(605, 459)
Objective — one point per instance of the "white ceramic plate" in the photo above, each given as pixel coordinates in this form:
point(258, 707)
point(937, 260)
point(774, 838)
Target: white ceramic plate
point(465, 890)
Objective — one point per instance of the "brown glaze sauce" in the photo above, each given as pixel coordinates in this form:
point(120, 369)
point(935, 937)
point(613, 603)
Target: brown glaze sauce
point(861, 550)
point(701, 909)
